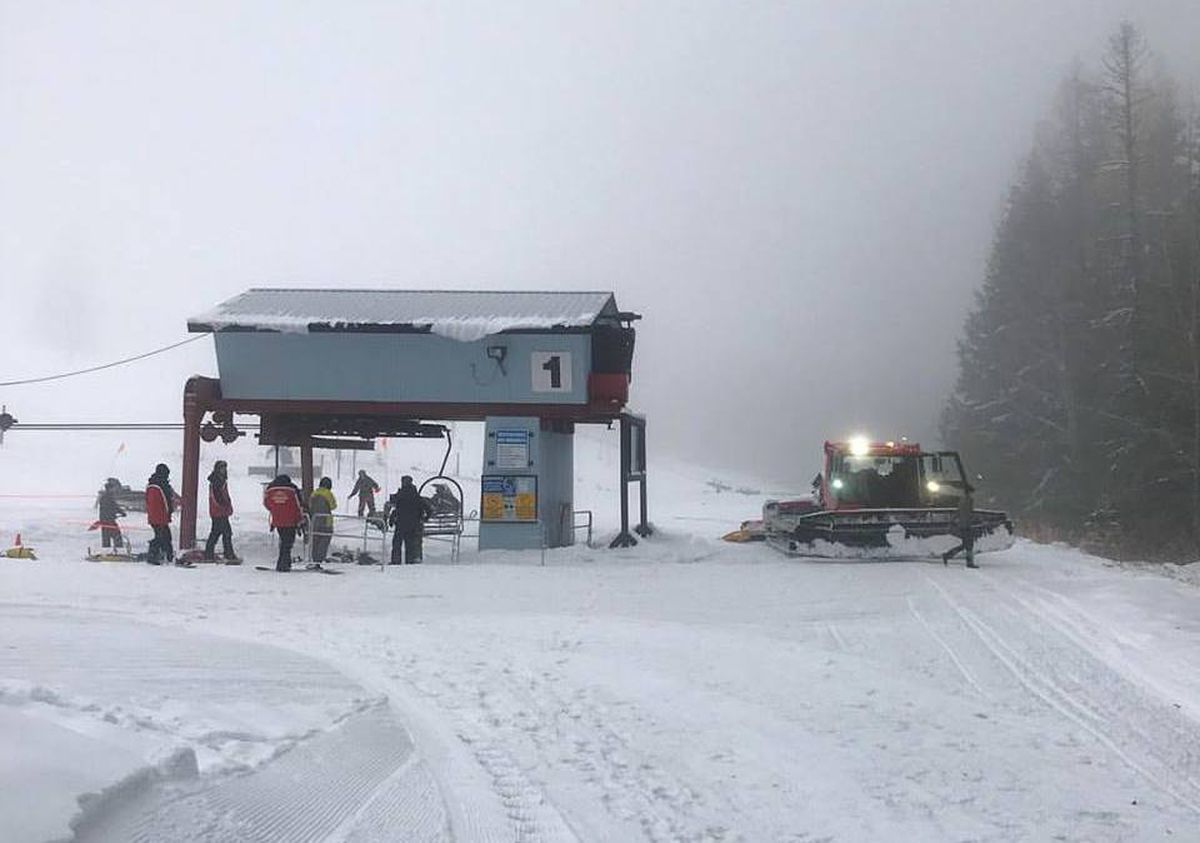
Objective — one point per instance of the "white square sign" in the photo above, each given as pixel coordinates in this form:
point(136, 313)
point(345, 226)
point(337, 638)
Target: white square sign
point(551, 371)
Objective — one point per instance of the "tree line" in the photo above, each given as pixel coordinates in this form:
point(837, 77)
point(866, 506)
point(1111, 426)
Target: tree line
point(1078, 395)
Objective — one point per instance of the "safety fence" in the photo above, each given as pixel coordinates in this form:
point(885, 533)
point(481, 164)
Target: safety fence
point(365, 530)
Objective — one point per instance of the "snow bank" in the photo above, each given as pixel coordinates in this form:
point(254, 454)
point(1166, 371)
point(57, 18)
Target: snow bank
point(94, 808)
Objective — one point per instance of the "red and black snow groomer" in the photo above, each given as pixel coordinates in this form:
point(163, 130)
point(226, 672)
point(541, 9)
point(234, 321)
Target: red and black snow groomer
point(881, 500)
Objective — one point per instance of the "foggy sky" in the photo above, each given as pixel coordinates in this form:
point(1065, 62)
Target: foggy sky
point(799, 197)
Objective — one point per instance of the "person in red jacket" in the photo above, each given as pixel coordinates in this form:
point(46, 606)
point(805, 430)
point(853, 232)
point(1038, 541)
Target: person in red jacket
point(282, 500)
point(160, 506)
point(220, 507)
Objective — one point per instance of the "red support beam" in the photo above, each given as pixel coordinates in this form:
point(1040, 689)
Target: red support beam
point(193, 413)
point(306, 470)
point(209, 392)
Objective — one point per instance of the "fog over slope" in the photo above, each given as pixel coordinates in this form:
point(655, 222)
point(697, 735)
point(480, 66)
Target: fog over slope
point(798, 197)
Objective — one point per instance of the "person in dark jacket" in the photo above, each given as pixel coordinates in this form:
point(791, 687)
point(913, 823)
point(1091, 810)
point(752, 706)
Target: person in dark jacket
point(366, 488)
point(110, 511)
point(964, 525)
point(220, 508)
point(160, 506)
point(407, 512)
point(282, 500)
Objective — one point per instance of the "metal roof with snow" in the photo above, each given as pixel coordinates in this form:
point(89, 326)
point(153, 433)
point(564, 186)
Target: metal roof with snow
point(465, 315)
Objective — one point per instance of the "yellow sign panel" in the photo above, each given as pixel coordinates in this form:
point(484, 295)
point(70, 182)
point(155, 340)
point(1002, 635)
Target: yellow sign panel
point(509, 498)
point(493, 506)
point(526, 506)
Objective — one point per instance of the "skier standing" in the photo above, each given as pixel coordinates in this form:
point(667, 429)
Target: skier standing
point(160, 506)
point(110, 511)
point(964, 522)
point(407, 512)
point(321, 505)
point(220, 508)
point(282, 500)
point(366, 488)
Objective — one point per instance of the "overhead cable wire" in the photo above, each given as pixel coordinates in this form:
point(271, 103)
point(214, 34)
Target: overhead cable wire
point(103, 366)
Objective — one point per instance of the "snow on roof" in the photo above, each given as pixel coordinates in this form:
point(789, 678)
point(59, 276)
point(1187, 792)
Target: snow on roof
point(465, 315)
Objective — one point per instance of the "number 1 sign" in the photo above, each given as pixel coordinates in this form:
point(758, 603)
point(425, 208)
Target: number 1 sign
point(551, 371)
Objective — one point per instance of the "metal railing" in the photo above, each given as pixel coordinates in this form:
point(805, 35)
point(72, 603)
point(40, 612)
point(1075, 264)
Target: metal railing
point(586, 525)
point(365, 530)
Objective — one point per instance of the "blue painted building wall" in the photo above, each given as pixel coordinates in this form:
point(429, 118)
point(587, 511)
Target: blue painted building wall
point(401, 367)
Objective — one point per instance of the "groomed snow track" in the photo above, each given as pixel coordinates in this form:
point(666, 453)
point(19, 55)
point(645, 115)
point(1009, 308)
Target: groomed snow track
point(357, 782)
point(1047, 644)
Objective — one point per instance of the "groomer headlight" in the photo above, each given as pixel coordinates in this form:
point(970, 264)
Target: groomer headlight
point(860, 446)
point(837, 483)
point(933, 486)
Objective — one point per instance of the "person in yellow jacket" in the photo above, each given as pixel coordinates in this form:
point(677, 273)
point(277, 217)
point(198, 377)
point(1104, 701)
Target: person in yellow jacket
point(321, 505)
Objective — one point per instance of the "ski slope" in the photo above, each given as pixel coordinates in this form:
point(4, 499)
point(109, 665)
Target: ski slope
point(685, 689)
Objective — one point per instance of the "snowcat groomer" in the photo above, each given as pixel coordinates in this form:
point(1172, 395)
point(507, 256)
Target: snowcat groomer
point(880, 500)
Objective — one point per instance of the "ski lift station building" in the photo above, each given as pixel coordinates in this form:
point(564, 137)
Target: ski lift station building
point(325, 368)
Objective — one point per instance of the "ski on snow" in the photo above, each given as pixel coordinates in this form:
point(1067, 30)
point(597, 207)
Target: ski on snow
point(305, 570)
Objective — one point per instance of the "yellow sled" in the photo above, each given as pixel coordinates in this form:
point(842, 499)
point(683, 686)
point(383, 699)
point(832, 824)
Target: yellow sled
point(20, 552)
point(109, 556)
point(750, 531)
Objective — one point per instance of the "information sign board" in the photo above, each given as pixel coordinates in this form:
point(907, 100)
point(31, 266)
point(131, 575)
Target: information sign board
point(508, 498)
point(512, 449)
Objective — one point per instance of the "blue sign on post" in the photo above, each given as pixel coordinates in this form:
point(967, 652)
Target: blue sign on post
point(512, 449)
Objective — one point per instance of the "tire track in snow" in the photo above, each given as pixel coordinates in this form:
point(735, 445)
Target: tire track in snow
point(838, 640)
point(1177, 738)
point(634, 787)
point(1042, 686)
point(535, 717)
point(945, 645)
point(531, 817)
point(1073, 621)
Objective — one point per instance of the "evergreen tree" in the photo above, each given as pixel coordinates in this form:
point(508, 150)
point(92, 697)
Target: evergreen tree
point(1079, 369)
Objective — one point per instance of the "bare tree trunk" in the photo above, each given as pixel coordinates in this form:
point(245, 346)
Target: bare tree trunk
point(1123, 65)
point(1068, 372)
point(1194, 332)
point(1195, 353)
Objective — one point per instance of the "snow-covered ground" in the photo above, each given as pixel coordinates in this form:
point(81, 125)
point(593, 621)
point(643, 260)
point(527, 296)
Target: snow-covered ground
point(685, 689)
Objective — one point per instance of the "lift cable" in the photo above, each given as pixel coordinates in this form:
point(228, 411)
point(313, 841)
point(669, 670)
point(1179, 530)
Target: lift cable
point(103, 366)
point(16, 425)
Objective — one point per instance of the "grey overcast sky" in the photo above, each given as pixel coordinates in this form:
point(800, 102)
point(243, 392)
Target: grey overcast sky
point(798, 196)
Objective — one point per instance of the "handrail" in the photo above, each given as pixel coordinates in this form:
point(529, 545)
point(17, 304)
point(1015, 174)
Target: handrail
point(364, 537)
point(576, 527)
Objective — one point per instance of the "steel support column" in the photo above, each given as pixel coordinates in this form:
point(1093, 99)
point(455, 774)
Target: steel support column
point(643, 529)
point(624, 538)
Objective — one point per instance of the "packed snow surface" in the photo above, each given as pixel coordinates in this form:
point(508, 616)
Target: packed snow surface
point(685, 689)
